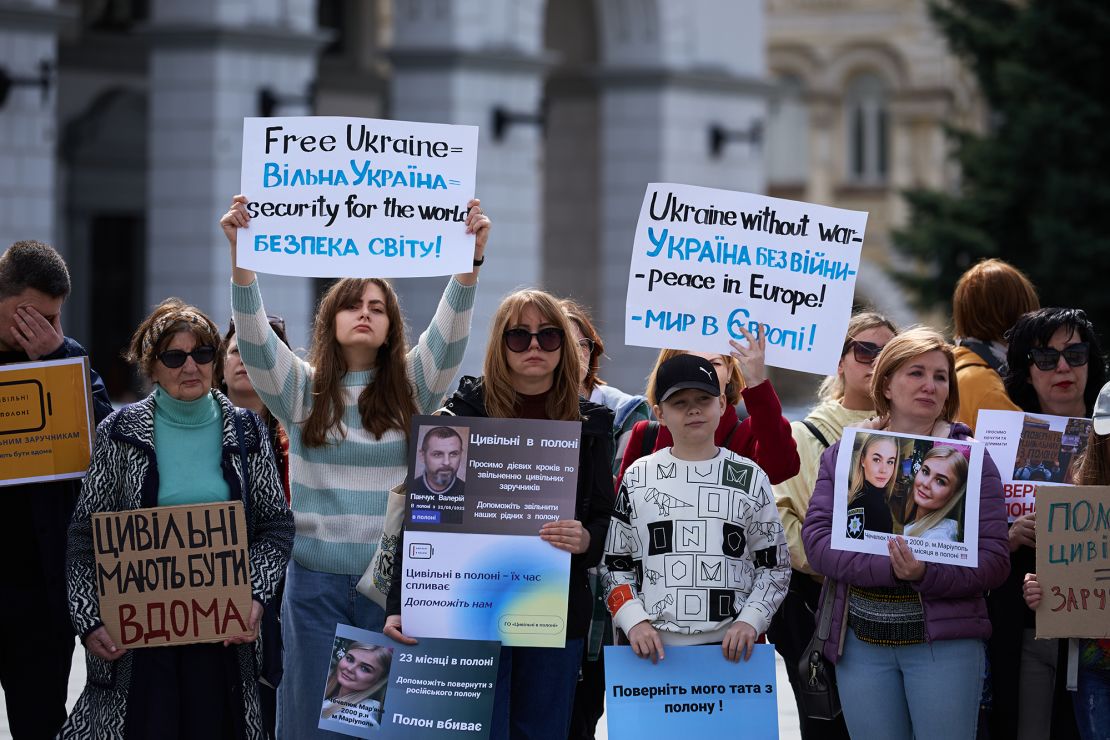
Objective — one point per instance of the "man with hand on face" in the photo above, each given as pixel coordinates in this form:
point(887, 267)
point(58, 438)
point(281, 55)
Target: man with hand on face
point(441, 453)
point(36, 638)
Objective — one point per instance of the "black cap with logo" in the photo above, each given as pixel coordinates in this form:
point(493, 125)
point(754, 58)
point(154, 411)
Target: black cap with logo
point(685, 371)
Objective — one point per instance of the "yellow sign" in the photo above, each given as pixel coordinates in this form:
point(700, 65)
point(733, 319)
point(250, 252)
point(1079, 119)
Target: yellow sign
point(46, 422)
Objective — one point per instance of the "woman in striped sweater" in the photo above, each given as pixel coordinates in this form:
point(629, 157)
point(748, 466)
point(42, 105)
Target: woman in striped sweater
point(347, 411)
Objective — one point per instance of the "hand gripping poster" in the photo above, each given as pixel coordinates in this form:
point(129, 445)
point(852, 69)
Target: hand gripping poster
point(472, 564)
point(435, 689)
point(924, 489)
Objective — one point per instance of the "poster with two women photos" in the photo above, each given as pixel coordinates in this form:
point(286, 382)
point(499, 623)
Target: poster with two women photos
point(924, 489)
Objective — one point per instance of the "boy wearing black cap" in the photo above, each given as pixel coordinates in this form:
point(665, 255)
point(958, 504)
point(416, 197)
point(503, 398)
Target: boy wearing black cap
point(695, 553)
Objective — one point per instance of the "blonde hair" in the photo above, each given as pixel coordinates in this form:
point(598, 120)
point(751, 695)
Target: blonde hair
point(732, 388)
point(918, 527)
point(832, 387)
point(383, 656)
point(500, 396)
point(860, 456)
point(912, 343)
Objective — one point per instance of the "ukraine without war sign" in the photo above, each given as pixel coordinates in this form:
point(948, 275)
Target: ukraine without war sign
point(349, 197)
point(707, 262)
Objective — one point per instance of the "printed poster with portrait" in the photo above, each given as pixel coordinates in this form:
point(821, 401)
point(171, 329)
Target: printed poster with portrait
point(474, 566)
point(924, 489)
point(435, 689)
point(1031, 450)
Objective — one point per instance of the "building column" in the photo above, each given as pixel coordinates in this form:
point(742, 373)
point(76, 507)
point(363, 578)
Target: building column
point(452, 65)
point(28, 121)
point(209, 61)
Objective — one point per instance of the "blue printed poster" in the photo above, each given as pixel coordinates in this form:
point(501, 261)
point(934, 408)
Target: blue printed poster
point(707, 263)
point(692, 693)
point(377, 688)
point(473, 564)
point(350, 197)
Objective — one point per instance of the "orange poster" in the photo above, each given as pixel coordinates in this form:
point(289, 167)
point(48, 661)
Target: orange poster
point(46, 421)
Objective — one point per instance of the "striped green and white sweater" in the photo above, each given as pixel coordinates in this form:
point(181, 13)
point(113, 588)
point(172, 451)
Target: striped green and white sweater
point(339, 491)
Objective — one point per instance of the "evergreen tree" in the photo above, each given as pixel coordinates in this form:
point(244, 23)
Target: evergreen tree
point(1035, 187)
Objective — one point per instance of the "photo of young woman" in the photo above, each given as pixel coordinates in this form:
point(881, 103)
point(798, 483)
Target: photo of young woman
point(934, 510)
point(873, 474)
point(357, 681)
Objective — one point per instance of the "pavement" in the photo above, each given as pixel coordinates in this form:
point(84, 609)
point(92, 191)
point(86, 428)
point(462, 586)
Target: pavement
point(788, 714)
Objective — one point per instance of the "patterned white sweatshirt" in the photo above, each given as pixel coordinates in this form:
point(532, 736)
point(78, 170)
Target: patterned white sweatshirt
point(694, 546)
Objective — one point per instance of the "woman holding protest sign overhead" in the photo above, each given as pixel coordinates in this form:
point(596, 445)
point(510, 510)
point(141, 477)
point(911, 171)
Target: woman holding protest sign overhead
point(531, 372)
point(347, 411)
point(764, 436)
point(183, 444)
point(1054, 366)
point(906, 636)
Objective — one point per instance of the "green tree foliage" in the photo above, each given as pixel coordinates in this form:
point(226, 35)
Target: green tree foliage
point(1035, 188)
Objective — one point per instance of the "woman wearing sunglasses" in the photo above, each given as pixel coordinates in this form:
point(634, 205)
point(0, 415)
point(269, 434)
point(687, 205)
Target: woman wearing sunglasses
point(764, 436)
point(347, 410)
point(184, 444)
point(906, 635)
point(1056, 367)
point(531, 372)
point(845, 400)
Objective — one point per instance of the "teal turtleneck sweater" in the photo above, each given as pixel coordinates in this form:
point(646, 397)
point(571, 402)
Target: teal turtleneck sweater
point(188, 441)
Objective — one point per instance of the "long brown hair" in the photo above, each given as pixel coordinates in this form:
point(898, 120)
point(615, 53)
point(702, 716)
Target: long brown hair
point(387, 402)
point(581, 318)
point(501, 399)
point(1092, 467)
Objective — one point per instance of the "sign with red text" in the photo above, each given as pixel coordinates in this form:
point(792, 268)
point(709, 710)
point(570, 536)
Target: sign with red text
point(1031, 450)
point(1073, 561)
point(707, 262)
point(351, 197)
point(173, 575)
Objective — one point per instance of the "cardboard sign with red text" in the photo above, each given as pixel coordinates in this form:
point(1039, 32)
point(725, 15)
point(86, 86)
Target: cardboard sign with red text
point(173, 575)
point(1073, 561)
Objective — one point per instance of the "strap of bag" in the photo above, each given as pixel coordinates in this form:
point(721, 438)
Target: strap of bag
point(728, 440)
point(243, 459)
point(824, 619)
point(651, 433)
point(816, 432)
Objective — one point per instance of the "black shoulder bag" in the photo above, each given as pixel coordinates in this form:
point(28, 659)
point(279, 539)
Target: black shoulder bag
point(817, 693)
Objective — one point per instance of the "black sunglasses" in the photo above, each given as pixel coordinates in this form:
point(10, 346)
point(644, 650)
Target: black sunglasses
point(864, 352)
point(174, 358)
point(277, 322)
point(1046, 358)
point(519, 340)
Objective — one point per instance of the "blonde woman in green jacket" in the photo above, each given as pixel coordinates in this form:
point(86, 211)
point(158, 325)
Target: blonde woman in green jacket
point(845, 400)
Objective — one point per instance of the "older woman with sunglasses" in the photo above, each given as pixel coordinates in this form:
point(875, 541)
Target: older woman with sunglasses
point(1056, 367)
point(184, 444)
point(532, 372)
point(845, 401)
